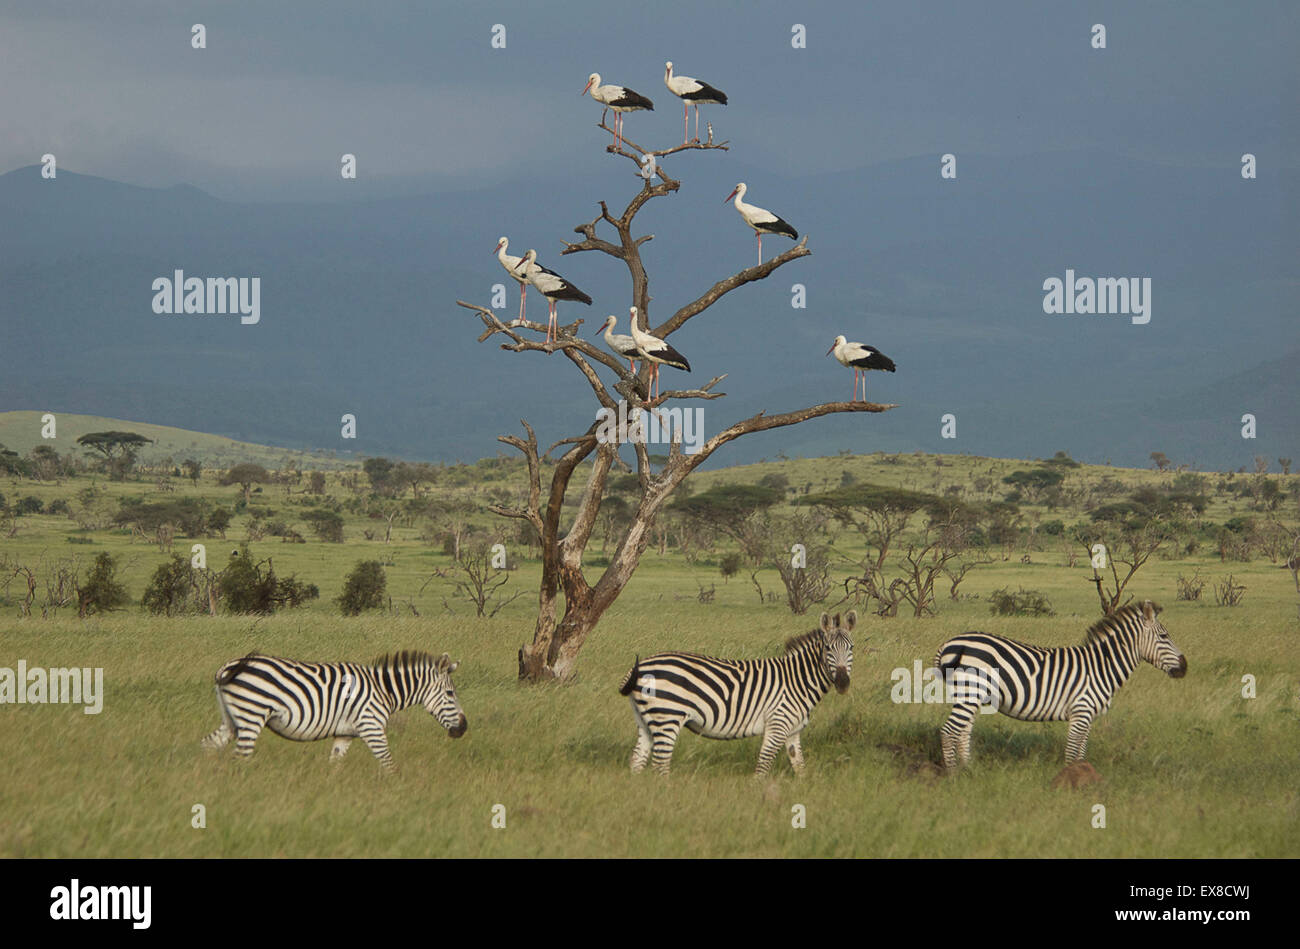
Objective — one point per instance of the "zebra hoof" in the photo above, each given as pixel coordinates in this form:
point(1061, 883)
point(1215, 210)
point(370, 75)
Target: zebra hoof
point(1077, 775)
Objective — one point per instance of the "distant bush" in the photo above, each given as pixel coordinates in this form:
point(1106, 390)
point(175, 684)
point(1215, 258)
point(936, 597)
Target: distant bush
point(245, 588)
point(29, 505)
point(729, 566)
point(363, 589)
point(57, 506)
point(327, 524)
point(72, 539)
point(173, 589)
point(1053, 528)
point(101, 592)
point(1189, 588)
point(1021, 603)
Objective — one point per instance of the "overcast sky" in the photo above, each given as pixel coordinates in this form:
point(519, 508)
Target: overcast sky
point(418, 94)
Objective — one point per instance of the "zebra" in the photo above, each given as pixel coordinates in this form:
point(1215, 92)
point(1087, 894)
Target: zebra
point(308, 701)
point(1068, 683)
point(730, 698)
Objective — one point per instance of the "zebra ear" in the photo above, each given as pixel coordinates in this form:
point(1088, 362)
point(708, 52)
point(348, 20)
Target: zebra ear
point(826, 623)
point(454, 666)
point(1150, 609)
point(443, 660)
point(851, 620)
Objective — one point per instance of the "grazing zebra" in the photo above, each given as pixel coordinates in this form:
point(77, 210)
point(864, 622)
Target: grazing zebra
point(308, 701)
point(730, 698)
point(1037, 684)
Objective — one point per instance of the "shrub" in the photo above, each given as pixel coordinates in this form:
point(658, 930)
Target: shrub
point(57, 506)
point(173, 589)
point(328, 525)
point(1022, 603)
point(101, 592)
point(364, 588)
point(246, 589)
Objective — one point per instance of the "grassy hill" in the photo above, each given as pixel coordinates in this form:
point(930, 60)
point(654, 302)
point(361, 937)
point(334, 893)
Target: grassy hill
point(21, 431)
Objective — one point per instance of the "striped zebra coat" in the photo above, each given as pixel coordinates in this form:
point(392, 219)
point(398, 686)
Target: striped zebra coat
point(308, 701)
point(1033, 683)
point(730, 698)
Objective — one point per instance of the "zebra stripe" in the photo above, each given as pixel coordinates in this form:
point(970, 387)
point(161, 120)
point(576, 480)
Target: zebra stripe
point(1033, 683)
point(730, 698)
point(308, 701)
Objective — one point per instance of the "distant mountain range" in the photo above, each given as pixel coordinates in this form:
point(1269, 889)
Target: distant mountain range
point(358, 313)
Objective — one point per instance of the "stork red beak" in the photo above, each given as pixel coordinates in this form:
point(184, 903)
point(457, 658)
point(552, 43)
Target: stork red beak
point(585, 88)
point(498, 250)
point(730, 196)
point(831, 350)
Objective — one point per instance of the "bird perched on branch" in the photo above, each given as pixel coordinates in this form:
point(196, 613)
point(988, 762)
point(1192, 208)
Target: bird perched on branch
point(761, 220)
point(861, 358)
point(552, 286)
point(510, 262)
point(625, 346)
point(618, 98)
point(692, 92)
point(655, 351)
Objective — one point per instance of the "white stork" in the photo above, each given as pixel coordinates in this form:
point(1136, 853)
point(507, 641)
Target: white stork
point(862, 358)
point(510, 262)
point(625, 346)
point(619, 99)
point(655, 351)
point(761, 220)
point(692, 92)
point(553, 287)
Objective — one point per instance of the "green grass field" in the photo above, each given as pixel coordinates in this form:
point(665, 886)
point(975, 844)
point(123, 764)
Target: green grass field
point(1191, 768)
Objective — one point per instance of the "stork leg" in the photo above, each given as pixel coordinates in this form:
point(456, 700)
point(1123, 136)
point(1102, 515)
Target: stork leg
point(697, 123)
point(523, 295)
point(760, 246)
point(552, 329)
point(686, 127)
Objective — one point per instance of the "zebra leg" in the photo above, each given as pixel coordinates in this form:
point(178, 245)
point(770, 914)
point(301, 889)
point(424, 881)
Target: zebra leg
point(218, 739)
point(340, 748)
point(1076, 745)
point(773, 740)
point(246, 732)
point(663, 738)
point(221, 737)
point(955, 734)
point(377, 741)
point(641, 753)
point(795, 751)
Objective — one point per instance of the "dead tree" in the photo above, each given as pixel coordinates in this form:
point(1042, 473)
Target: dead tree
point(557, 638)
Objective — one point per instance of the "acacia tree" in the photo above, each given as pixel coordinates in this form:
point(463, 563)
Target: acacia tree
point(557, 638)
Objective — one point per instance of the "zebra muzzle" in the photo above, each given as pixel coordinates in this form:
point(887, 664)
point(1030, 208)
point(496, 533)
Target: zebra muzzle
point(459, 728)
point(1180, 670)
point(841, 680)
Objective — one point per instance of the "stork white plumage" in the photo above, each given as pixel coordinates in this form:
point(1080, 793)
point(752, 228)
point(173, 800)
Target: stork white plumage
point(692, 92)
point(510, 263)
point(761, 220)
point(861, 358)
point(618, 98)
point(553, 287)
point(624, 345)
point(655, 351)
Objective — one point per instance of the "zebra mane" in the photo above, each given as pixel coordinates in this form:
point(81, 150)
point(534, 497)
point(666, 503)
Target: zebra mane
point(406, 659)
point(795, 643)
point(1105, 628)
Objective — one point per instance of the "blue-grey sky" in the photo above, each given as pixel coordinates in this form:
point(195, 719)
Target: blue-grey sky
point(416, 91)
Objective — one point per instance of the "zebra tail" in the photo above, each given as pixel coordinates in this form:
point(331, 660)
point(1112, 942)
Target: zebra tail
point(230, 670)
point(629, 681)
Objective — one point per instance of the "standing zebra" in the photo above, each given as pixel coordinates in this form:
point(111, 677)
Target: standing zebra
point(729, 698)
point(1068, 683)
point(308, 701)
